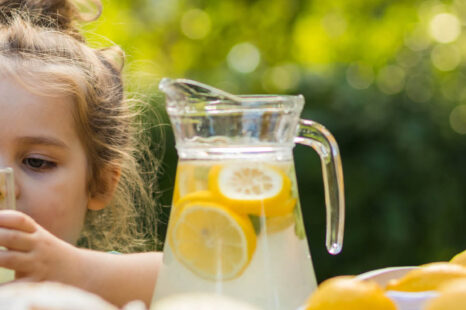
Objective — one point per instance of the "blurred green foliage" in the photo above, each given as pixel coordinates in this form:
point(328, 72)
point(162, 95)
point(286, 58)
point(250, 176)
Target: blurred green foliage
point(386, 77)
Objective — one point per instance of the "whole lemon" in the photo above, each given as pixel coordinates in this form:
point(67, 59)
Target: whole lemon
point(459, 259)
point(349, 293)
point(428, 277)
point(452, 296)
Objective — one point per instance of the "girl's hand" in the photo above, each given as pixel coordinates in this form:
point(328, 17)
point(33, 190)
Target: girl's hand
point(33, 252)
point(37, 255)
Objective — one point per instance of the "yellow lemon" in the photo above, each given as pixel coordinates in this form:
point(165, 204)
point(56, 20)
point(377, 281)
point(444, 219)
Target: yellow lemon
point(199, 196)
point(251, 188)
point(428, 277)
point(275, 224)
point(349, 293)
point(195, 197)
point(459, 259)
point(211, 240)
point(452, 296)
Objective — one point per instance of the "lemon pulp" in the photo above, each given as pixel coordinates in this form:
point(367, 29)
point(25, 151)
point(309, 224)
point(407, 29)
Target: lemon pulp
point(212, 241)
point(248, 188)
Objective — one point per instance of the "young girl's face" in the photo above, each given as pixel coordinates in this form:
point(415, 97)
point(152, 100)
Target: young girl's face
point(39, 140)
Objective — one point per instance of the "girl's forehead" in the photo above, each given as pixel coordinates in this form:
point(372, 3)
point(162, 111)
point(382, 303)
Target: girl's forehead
point(26, 114)
point(28, 93)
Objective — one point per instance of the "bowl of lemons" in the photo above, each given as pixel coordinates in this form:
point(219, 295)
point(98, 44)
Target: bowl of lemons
point(433, 286)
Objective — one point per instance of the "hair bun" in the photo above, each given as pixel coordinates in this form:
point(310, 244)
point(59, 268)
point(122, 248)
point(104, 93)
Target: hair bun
point(57, 14)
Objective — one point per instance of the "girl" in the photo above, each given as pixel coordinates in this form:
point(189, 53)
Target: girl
point(67, 130)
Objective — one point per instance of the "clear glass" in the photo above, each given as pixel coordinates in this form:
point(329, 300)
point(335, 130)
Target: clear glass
point(236, 228)
point(7, 201)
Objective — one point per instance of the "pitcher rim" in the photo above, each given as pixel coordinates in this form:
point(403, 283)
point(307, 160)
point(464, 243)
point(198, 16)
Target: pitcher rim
point(178, 101)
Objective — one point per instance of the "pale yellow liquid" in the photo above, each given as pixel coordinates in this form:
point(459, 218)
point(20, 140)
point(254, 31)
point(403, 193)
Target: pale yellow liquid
point(6, 275)
point(280, 275)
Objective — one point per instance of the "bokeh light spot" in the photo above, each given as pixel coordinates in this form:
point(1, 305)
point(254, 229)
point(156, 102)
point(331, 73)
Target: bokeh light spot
point(445, 27)
point(445, 57)
point(282, 78)
point(391, 79)
point(162, 11)
point(195, 24)
point(458, 119)
point(359, 75)
point(244, 57)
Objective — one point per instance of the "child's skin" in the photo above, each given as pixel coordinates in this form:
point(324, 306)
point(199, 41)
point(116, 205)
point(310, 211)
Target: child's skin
point(39, 140)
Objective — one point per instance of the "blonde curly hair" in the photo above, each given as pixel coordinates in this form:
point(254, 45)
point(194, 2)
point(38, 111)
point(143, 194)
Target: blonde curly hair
point(43, 49)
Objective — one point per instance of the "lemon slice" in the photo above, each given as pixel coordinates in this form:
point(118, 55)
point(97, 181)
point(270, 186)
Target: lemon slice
point(199, 196)
point(251, 188)
point(212, 241)
point(276, 224)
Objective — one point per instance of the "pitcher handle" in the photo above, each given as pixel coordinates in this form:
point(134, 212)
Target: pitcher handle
point(322, 141)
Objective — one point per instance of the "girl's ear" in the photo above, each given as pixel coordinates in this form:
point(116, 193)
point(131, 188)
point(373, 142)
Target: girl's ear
point(109, 181)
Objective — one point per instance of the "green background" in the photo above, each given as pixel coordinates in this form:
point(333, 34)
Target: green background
point(387, 78)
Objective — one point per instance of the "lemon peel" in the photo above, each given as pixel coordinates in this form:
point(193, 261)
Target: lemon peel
point(452, 296)
point(212, 241)
point(459, 258)
point(349, 293)
point(247, 188)
point(428, 277)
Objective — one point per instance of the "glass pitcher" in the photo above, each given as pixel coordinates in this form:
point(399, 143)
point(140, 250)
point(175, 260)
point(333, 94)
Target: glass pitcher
point(236, 235)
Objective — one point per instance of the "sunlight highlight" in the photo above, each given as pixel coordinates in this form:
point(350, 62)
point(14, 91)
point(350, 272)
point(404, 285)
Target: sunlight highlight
point(445, 57)
point(458, 119)
point(445, 27)
point(244, 57)
point(195, 24)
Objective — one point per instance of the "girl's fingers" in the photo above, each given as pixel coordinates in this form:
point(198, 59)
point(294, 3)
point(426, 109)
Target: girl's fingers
point(23, 279)
point(18, 221)
point(15, 240)
point(18, 261)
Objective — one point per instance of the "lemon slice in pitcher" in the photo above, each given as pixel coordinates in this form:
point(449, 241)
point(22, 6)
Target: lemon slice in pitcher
point(212, 241)
point(251, 188)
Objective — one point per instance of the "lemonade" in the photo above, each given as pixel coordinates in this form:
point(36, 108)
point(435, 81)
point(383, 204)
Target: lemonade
point(236, 230)
point(7, 201)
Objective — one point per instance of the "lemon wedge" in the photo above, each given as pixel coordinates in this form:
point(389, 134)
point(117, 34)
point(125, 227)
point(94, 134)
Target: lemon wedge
point(279, 223)
point(452, 296)
point(211, 240)
point(428, 277)
point(459, 258)
point(349, 293)
point(251, 188)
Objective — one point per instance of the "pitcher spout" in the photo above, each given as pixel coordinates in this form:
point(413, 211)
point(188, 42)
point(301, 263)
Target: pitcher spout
point(188, 91)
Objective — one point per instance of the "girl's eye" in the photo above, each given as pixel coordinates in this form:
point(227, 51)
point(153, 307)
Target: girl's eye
point(38, 163)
